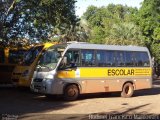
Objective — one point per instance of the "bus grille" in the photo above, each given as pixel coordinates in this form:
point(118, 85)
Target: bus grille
point(37, 87)
point(38, 80)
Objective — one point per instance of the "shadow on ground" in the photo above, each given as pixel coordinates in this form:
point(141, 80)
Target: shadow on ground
point(128, 114)
point(23, 101)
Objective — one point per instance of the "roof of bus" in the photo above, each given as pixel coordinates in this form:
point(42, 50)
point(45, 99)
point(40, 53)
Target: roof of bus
point(46, 45)
point(106, 47)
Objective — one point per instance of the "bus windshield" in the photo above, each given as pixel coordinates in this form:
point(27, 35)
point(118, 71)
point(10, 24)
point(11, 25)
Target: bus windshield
point(51, 56)
point(31, 55)
point(16, 56)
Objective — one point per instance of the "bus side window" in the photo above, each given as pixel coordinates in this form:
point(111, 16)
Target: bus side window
point(110, 59)
point(76, 58)
point(142, 59)
point(146, 61)
point(87, 58)
point(73, 59)
point(129, 58)
point(120, 57)
point(101, 58)
point(105, 58)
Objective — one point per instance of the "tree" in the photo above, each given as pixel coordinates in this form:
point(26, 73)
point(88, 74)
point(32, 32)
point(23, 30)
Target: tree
point(113, 24)
point(125, 34)
point(155, 48)
point(148, 19)
point(35, 20)
point(97, 35)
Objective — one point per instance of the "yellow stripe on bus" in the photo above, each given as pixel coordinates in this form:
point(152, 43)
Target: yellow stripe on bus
point(105, 72)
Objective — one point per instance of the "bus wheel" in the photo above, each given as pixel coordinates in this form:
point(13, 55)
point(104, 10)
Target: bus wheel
point(71, 92)
point(127, 90)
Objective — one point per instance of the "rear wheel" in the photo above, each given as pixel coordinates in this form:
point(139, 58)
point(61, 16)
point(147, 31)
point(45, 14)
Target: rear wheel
point(127, 90)
point(71, 92)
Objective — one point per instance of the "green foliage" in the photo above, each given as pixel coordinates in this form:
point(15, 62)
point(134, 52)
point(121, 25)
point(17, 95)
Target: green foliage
point(155, 48)
point(123, 25)
point(156, 34)
point(97, 35)
point(35, 20)
point(113, 24)
point(125, 34)
point(148, 19)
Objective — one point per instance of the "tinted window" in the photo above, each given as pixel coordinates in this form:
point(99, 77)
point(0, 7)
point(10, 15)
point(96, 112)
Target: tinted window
point(32, 54)
point(2, 56)
point(129, 58)
point(110, 58)
point(73, 58)
point(87, 58)
point(105, 58)
point(120, 57)
point(16, 56)
point(141, 59)
point(101, 58)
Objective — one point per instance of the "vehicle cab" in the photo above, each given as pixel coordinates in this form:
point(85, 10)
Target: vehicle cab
point(55, 71)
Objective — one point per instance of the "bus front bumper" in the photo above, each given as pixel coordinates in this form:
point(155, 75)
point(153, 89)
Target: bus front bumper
point(41, 86)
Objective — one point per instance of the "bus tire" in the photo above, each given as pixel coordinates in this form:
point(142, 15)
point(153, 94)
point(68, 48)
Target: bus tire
point(127, 90)
point(71, 92)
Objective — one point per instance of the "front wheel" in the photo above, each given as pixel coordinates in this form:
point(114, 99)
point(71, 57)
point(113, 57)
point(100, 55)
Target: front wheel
point(127, 90)
point(71, 92)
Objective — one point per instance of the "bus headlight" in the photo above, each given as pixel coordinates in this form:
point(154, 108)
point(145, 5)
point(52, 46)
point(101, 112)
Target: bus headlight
point(25, 73)
point(49, 76)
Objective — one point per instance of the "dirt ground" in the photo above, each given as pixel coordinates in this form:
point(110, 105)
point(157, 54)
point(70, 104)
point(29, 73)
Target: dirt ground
point(24, 104)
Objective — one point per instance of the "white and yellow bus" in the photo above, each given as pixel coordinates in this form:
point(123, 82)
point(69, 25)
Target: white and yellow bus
point(92, 68)
point(22, 74)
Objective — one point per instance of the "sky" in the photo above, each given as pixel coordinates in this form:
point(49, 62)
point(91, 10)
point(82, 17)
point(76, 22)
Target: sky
point(81, 5)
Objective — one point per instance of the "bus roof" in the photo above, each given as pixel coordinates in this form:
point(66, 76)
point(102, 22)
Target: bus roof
point(45, 45)
point(106, 47)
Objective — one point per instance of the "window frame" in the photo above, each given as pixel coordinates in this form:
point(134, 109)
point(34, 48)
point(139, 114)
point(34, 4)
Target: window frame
point(149, 64)
point(95, 51)
point(94, 56)
point(114, 55)
point(132, 57)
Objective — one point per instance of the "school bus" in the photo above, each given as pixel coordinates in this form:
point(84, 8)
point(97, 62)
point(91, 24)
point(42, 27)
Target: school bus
point(22, 74)
point(10, 56)
point(92, 68)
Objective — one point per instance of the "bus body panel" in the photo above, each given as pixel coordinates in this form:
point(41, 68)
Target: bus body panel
point(98, 80)
point(94, 84)
point(95, 79)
